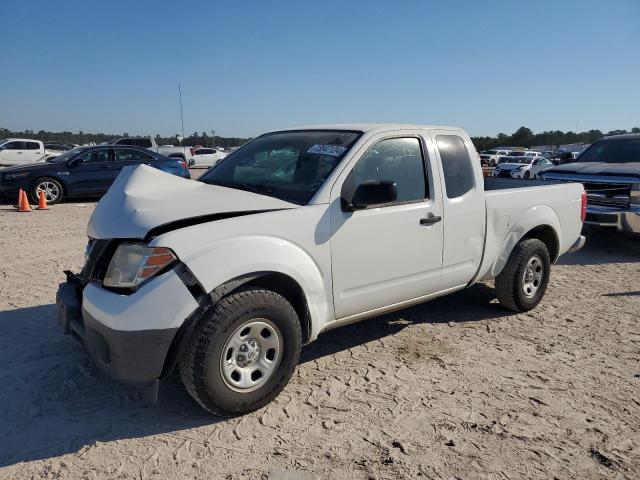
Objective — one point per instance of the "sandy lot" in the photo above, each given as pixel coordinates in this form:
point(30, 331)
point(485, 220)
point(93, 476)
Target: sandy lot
point(456, 388)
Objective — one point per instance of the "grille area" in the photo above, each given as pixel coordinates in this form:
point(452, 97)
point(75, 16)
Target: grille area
point(608, 194)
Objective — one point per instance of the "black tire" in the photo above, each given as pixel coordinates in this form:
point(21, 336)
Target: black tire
point(526, 175)
point(52, 200)
point(492, 163)
point(201, 363)
point(510, 283)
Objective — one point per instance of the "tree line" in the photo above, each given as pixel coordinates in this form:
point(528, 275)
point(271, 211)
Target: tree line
point(82, 138)
point(524, 137)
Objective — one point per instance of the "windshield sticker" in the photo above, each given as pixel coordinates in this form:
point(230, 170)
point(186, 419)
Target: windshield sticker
point(332, 150)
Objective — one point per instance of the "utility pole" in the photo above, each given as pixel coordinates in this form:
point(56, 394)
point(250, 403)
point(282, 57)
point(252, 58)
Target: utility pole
point(213, 136)
point(181, 116)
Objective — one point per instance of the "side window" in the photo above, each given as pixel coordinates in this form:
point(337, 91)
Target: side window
point(456, 165)
point(14, 146)
point(399, 160)
point(32, 146)
point(95, 156)
point(130, 154)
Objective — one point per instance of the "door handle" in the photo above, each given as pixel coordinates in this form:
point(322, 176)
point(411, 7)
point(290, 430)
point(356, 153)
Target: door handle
point(430, 219)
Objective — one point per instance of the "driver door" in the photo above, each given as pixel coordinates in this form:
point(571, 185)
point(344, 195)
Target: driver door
point(391, 253)
point(91, 174)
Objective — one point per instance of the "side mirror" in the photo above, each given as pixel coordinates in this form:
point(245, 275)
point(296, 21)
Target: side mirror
point(372, 192)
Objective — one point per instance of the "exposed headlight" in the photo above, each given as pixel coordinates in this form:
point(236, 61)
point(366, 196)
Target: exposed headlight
point(12, 176)
point(133, 263)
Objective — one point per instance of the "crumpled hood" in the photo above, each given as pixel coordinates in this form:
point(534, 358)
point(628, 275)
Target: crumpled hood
point(631, 169)
point(143, 198)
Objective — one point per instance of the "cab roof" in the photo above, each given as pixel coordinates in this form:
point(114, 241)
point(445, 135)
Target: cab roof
point(369, 127)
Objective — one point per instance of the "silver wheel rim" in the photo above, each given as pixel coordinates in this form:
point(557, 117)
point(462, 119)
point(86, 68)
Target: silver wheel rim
point(532, 276)
point(251, 355)
point(50, 189)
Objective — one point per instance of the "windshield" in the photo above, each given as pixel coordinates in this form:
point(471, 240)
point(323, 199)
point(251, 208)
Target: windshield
point(612, 151)
point(517, 154)
point(65, 156)
point(490, 152)
point(291, 165)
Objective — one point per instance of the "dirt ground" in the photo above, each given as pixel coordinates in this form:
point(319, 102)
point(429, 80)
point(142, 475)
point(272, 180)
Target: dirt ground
point(455, 388)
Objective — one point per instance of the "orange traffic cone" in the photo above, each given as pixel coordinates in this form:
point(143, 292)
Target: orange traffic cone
point(42, 202)
point(23, 202)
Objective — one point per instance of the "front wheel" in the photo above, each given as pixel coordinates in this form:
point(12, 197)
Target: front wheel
point(526, 175)
point(51, 188)
point(243, 353)
point(523, 281)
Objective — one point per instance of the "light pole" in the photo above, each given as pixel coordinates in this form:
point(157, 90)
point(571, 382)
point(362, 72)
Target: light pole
point(213, 136)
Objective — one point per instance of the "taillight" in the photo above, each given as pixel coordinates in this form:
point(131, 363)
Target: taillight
point(183, 164)
point(191, 150)
point(583, 206)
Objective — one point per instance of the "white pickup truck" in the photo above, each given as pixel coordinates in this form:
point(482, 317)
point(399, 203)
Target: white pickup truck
point(20, 151)
point(293, 234)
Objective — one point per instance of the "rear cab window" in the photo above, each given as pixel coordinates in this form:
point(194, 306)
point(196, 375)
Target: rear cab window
point(456, 165)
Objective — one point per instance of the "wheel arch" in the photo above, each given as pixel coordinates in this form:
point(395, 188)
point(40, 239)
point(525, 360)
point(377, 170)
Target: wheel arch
point(539, 222)
point(547, 235)
point(277, 282)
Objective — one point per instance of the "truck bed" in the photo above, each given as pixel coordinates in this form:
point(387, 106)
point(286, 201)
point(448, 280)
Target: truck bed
point(497, 183)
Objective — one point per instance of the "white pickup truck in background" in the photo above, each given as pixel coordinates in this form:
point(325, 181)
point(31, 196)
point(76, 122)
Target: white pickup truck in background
point(18, 151)
point(295, 233)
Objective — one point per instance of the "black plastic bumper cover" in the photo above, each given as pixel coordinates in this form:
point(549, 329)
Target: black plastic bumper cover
point(135, 358)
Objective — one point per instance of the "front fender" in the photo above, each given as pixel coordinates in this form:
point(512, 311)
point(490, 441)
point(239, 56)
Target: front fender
point(228, 259)
point(537, 216)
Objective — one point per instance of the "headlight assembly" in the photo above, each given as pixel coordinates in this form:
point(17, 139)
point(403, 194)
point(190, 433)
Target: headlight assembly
point(133, 263)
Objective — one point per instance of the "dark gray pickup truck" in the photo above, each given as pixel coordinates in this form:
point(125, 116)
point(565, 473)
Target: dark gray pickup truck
point(610, 172)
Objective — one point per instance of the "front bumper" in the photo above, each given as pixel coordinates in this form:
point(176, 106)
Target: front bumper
point(127, 336)
point(621, 220)
point(10, 190)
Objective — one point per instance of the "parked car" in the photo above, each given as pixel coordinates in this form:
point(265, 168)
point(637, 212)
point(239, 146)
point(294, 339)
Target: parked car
point(82, 172)
point(519, 154)
point(610, 172)
point(525, 167)
point(53, 149)
point(206, 157)
point(19, 151)
point(185, 153)
point(229, 276)
point(490, 157)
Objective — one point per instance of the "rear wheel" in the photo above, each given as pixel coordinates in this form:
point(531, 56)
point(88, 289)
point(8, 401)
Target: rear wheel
point(51, 188)
point(524, 279)
point(243, 353)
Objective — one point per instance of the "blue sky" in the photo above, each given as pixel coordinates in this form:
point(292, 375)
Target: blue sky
point(247, 67)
